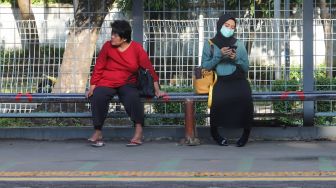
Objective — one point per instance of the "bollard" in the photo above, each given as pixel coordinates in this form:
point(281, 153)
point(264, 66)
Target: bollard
point(190, 128)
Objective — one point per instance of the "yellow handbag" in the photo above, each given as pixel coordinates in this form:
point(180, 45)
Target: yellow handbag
point(204, 80)
point(204, 84)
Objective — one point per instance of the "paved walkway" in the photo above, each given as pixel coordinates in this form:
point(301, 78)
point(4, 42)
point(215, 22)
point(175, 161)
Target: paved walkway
point(165, 161)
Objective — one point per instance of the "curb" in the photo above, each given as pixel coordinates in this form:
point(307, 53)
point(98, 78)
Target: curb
point(167, 133)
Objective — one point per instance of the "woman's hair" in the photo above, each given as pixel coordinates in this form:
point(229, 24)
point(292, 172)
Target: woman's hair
point(122, 28)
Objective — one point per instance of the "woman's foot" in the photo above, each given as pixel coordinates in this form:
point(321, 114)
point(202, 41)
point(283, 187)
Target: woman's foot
point(241, 142)
point(244, 138)
point(222, 142)
point(97, 139)
point(97, 136)
point(133, 143)
point(137, 138)
point(98, 143)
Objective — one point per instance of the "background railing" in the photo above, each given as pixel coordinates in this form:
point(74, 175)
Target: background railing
point(174, 46)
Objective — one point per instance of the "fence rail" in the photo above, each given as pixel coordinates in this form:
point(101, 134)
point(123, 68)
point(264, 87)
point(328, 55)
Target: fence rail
point(174, 46)
point(274, 45)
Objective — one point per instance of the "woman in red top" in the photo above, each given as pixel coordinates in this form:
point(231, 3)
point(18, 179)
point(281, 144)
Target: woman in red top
point(117, 63)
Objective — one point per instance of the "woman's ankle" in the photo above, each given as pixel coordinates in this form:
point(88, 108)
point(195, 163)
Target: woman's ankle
point(97, 135)
point(138, 132)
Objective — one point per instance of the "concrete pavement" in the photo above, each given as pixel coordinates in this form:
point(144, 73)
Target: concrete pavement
point(67, 159)
point(163, 159)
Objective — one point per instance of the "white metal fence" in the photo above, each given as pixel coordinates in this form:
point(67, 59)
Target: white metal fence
point(174, 47)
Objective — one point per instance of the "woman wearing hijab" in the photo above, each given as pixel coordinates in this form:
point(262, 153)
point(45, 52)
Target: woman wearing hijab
point(232, 105)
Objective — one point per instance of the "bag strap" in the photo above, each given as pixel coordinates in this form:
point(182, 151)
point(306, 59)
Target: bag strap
point(212, 48)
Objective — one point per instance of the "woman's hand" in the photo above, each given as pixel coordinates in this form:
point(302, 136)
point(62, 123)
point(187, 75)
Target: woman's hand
point(89, 93)
point(228, 52)
point(158, 92)
point(233, 55)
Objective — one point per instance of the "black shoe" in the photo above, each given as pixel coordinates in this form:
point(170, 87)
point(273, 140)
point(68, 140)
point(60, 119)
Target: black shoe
point(244, 138)
point(241, 142)
point(223, 142)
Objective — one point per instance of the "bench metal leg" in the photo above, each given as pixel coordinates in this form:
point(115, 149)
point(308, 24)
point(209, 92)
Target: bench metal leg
point(190, 125)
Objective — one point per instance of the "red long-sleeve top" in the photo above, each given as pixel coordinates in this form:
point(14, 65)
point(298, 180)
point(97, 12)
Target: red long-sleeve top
point(115, 68)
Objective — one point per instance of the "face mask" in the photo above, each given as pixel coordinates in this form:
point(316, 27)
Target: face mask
point(226, 32)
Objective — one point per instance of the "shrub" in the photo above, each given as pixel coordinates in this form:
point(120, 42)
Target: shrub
point(178, 107)
point(286, 107)
point(325, 84)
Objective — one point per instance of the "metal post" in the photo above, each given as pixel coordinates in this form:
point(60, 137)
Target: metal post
point(200, 38)
point(190, 128)
point(137, 13)
point(276, 37)
point(287, 43)
point(308, 62)
point(75, 5)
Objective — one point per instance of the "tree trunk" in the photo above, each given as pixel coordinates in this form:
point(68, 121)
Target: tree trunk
point(325, 15)
point(77, 58)
point(254, 12)
point(28, 31)
point(81, 43)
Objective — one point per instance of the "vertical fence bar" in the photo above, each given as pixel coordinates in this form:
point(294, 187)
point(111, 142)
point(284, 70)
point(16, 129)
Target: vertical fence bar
point(137, 13)
point(200, 38)
point(287, 38)
point(308, 62)
point(276, 39)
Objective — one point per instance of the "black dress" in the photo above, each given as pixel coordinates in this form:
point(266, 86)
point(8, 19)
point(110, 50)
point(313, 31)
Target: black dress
point(232, 105)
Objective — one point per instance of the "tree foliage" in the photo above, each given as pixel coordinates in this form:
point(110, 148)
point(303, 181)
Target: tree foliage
point(14, 2)
point(154, 5)
point(257, 8)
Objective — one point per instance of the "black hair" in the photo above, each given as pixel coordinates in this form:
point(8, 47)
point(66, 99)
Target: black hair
point(122, 28)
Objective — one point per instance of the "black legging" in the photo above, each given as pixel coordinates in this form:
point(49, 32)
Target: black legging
point(129, 97)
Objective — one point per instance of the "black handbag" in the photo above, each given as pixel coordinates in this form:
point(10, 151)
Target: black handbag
point(145, 83)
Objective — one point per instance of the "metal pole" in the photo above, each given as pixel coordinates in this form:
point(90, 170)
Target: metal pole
point(200, 38)
point(190, 128)
point(75, 5)
point(287, 43)
point(308, 62)
point(189, 119)
point(138, 17)
point(276, 35)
